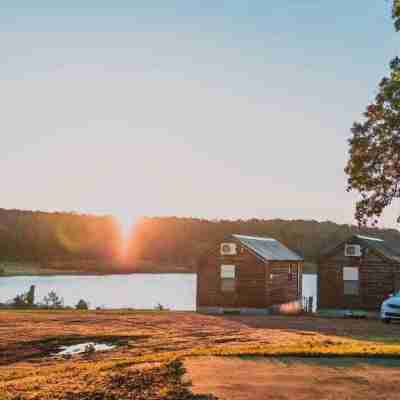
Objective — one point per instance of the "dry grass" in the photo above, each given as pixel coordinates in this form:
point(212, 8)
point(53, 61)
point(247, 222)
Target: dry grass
point(149, 342)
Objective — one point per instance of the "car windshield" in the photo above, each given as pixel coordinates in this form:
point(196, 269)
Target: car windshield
point(397, 294)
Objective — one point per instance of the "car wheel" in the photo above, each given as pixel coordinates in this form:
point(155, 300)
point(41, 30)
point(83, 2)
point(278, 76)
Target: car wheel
point(386, 320)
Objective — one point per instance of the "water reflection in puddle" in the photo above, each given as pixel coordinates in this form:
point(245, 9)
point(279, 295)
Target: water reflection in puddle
point(87, 347)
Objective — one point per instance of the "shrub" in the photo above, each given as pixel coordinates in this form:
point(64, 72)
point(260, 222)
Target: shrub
point(82, 305)
point(19, 301)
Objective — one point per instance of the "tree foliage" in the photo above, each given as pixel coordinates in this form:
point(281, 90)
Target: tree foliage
point(172, 241)
point(52, 300)
point(40, 236)
point(25, 300)
point(82, 305)
point(374, 164)
point(30, 296)
point(396, 14)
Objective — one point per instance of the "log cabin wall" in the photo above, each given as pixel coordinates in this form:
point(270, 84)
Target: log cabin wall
point(255, 287)
point(377, 279)
point(249, 280)
point(283, 282)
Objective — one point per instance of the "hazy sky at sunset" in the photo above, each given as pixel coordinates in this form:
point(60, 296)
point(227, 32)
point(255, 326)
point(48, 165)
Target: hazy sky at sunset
point(192, 108)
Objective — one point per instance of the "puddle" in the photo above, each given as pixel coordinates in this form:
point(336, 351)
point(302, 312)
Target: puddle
point(88, 347)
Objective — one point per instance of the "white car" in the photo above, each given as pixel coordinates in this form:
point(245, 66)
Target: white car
point(390, 309)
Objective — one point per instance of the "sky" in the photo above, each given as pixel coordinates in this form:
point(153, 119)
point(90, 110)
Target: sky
point(212, 109)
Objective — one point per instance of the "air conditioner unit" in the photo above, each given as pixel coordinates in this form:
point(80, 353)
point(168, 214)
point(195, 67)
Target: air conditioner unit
point(228, 249)
point(352, 250)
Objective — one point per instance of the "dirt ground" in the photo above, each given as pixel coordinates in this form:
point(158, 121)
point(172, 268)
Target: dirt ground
point(29, 368)
point(263, 379)
point(26, 334)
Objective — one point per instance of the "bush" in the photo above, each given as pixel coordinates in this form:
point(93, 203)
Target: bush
point(19, 301)
point(82, 305)
point(159, 307)
point(52, 300)
point(25, 300)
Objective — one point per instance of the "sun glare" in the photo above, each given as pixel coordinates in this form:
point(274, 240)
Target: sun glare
point(126, 226)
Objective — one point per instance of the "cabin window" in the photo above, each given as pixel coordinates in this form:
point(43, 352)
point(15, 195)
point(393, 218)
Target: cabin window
point(228, 278)
point(351, 282)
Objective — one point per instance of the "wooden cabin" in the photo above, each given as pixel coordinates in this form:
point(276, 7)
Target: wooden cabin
point(249, 274)
point(358, 274)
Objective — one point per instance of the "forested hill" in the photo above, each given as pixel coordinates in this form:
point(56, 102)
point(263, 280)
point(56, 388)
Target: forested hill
point(41, 236)
point(181, 241)
point(86, 243)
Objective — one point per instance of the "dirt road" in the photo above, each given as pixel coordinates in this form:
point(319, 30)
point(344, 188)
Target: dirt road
point(263, 379)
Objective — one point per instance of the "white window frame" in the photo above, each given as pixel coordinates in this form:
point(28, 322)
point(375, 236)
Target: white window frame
point(351, 274)
point(227, 272)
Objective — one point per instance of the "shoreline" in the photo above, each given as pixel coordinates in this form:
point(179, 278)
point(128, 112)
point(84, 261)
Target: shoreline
point(78, 273)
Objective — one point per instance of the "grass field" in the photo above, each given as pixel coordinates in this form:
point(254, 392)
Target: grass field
point(150, 348)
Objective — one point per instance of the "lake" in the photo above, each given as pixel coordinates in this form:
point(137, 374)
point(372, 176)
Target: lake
point(140, 291)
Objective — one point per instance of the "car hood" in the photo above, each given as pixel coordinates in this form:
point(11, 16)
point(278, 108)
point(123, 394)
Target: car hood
point(392, 300)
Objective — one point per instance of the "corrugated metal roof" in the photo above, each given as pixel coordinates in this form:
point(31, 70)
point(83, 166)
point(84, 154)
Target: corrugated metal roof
point(389, 251)
point(267, 248)
point(370, 238)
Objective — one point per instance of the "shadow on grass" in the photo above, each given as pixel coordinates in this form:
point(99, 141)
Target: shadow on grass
point(365, 329)
point(333, 362)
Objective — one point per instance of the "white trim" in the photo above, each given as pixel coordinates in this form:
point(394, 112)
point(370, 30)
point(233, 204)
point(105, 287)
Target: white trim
point(369, 238)
point(231, 251)
point(299, 273)
point(254, 238)
point(228, 271)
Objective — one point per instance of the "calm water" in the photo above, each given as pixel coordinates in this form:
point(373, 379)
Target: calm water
point(141, 291)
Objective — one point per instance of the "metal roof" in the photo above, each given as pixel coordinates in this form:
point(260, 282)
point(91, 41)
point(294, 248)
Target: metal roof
point(370, 238)
point(390, 251)
point(268, 248)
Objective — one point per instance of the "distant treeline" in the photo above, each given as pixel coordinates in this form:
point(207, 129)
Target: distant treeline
point(59, 240)
point(41, 236)
point(181, 241)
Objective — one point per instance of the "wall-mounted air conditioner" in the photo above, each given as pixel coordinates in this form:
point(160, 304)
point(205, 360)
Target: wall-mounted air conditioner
point(228, 249)
point(352, 250)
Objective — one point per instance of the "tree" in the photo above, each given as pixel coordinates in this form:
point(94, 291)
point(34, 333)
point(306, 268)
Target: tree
point(52, 300)
point(25, 299)
point(82, 305)
point(396, 14)
point(30, 296)
point(374, 164)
